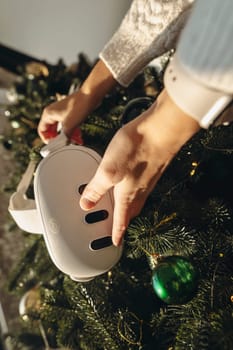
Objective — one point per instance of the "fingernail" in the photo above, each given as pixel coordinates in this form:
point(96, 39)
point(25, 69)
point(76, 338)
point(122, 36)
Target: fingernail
point(117, 238)
point(117, 242)
point(86, 203)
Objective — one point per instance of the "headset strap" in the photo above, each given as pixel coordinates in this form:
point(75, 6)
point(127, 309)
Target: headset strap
point(23, 209)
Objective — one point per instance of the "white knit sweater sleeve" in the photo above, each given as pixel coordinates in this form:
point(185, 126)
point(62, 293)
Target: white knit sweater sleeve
point(149, 29)
point(199, 79)
point(205, 48)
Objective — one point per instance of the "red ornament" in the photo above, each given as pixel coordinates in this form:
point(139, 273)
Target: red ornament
point(50, 132)
point(76, 137)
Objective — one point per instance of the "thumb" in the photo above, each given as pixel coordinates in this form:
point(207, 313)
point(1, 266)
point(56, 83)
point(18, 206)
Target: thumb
point(95, 189)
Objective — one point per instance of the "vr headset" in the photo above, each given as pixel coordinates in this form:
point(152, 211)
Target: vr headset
point(78, 242)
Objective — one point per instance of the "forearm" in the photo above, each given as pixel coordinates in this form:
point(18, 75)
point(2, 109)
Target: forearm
point(99, 82)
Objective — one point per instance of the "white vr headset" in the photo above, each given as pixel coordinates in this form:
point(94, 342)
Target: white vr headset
point(79, 242)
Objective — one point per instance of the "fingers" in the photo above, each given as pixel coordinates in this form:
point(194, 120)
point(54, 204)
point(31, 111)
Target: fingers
point(93, 193)
point(120, 218)
point(50, 118)
point(96, 188)
point(128, 202)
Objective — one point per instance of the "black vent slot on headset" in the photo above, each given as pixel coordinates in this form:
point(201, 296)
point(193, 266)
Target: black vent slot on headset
point(81, 188)
point(101, 243)
point(96, 216)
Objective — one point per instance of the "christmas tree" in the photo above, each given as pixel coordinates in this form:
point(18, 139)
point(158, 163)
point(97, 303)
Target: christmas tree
point(173, 287)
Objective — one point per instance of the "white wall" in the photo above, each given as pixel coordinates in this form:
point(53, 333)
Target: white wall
point(52, 29)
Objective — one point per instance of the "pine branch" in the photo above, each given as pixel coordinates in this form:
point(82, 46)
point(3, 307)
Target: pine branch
point(86, 309)
point(164, 238)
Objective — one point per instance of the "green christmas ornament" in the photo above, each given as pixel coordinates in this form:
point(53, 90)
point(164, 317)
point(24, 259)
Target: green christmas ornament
point(174, 279)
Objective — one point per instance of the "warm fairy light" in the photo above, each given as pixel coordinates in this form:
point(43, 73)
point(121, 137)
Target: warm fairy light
point(192, 172)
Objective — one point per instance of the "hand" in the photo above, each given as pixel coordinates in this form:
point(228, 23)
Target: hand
point(135, 160)
point(73, 109)
point(62, 112)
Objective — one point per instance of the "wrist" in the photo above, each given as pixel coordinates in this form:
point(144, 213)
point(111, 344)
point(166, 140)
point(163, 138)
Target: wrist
point(75, 106)
point(89, 96)
point(99, 82)
point(167, 126)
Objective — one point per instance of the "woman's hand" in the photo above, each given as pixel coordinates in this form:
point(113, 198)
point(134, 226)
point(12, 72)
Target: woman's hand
point(63, 112)
point(136, 158)
point(73, 109)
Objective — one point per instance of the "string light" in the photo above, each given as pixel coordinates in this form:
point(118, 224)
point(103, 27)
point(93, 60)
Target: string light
point(192, 172)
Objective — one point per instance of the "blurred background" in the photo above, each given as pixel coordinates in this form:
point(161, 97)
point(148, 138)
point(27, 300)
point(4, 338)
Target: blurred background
point(53, 29)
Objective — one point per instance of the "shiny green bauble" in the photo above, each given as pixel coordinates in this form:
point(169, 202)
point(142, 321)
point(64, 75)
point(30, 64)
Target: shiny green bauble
point(174, 280)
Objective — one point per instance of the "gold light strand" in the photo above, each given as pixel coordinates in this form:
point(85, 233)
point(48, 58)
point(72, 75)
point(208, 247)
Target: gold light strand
point(138, 342)
point(166, 220)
